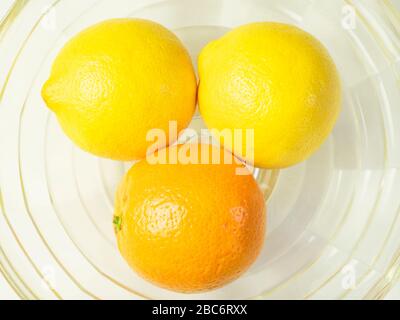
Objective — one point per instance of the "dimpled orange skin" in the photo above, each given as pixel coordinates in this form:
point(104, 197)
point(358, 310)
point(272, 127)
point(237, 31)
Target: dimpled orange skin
point(189, 228)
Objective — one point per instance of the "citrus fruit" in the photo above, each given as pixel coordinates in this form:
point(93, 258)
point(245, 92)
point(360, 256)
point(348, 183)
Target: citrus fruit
point(274, 79)
point(117, 80)
point(189, 227)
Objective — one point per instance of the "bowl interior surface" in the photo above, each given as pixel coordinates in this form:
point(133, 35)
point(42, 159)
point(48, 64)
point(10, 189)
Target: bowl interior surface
point(333, 221)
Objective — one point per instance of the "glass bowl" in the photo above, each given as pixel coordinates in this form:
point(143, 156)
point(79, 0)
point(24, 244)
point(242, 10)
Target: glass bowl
point(334, 220)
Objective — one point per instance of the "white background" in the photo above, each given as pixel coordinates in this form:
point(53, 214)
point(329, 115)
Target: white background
point(7, 293)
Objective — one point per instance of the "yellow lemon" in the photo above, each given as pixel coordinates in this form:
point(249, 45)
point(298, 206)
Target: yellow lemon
point(274, 79)
point(117, 80)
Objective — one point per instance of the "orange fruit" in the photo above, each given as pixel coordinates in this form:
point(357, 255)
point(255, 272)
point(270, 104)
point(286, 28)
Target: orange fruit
point(190, 227)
